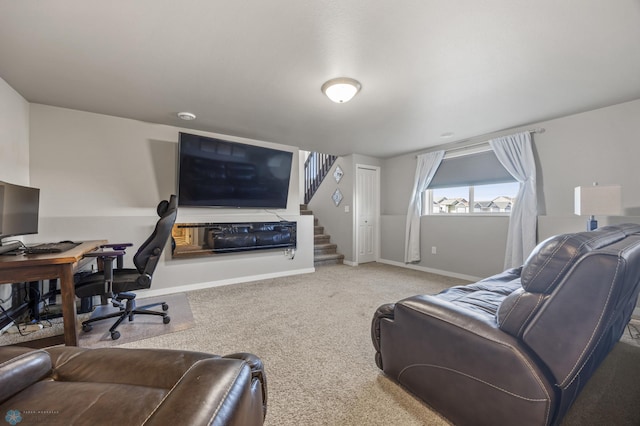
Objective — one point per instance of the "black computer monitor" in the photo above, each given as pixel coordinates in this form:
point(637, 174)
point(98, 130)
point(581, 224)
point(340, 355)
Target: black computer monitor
point(19, 207)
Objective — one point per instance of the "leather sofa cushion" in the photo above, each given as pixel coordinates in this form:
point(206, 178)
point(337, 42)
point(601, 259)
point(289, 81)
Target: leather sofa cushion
point(550, 261)
point(484, 296)
point(266, 238)
point(222, 241)
point(84, 365)
point(235, 236)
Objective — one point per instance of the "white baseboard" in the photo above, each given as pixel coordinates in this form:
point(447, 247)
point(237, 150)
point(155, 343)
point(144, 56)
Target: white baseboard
point(430, 270)
point(211, 284)
point(350, 263)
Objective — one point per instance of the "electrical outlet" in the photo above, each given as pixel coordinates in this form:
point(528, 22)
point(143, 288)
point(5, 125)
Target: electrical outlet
point(434, 250)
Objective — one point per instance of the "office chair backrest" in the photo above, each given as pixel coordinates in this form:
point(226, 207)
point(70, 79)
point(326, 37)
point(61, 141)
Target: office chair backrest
point(147, 256)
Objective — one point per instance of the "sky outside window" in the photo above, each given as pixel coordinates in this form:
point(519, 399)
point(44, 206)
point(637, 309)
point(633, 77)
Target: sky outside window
point(491, 192)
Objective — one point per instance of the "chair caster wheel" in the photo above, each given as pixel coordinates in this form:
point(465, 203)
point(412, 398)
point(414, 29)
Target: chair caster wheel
point(87, 327)
point(115, 335)
point(165, 307)
point(166, 320)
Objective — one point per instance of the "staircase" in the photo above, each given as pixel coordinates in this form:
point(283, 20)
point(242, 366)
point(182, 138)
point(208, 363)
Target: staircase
point(316, 167)
point(324, 252)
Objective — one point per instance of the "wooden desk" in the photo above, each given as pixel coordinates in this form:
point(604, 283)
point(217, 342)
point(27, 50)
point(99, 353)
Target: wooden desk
point(21, 268)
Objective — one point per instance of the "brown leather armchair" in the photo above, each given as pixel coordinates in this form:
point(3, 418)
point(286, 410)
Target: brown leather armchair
point(518, 347)
point(70, 385)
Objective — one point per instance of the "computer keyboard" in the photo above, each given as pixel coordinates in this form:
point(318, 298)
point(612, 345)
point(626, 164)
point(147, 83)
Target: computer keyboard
point(45, 248)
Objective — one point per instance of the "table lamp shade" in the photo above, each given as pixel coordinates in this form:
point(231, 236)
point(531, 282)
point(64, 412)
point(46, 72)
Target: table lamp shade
point(598, 200)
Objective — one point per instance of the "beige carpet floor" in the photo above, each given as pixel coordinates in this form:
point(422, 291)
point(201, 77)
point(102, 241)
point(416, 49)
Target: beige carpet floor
point(143, 326)
point(313, 333)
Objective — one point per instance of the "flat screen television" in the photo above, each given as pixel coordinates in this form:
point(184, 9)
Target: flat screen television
point(18, 210)
point(220, 173)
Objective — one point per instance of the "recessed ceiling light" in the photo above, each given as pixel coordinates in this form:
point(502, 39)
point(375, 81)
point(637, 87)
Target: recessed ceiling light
point(187, 116)
point(341, 90)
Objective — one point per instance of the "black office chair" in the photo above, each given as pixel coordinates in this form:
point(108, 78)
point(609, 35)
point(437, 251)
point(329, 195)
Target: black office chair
point(117, 283)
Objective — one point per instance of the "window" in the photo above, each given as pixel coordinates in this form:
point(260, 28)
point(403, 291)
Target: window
point(471, 183)
point(474, 199)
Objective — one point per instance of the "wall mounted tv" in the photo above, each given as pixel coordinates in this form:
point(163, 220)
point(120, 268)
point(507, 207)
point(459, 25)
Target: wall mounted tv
point(220, 173)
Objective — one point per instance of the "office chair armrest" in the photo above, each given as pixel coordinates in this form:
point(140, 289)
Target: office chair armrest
point(116, 246)
point(105, 260)
point(112, 254)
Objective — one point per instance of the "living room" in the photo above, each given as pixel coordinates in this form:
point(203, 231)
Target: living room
point(102, 172)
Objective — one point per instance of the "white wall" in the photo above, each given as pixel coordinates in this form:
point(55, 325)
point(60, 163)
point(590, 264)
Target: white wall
point(14, 147)
point(101, 177)
point(601, 145)
point(597, 146)
point(14, 136)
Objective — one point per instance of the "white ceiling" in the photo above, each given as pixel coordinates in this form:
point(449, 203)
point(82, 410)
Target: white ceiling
point(253, 68)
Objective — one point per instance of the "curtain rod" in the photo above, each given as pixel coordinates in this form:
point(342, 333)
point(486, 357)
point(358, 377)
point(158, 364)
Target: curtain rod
point(461, 144)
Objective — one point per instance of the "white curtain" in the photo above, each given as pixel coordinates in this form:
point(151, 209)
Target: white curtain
point(515, 154)
point(427, 165)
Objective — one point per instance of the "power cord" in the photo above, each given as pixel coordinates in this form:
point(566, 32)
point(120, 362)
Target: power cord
point(22, 328)
point(277, 215)
point(6, 314)
point(45, 307)
point(4, 249)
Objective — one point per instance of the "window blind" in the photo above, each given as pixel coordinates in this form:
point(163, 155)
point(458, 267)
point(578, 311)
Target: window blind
point(481, 168)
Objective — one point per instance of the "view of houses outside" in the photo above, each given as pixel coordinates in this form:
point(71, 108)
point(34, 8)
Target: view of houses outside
point(495, 198)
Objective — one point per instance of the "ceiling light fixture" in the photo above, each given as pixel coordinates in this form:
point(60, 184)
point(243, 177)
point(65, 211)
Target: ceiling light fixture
point(188, 116)
point(341, 90)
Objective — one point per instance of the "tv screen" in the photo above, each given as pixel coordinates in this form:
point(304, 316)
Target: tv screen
point(219, 173)
point(18, 209)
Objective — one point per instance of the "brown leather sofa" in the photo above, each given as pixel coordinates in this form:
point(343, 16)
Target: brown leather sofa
point(516, 348)
point(117, 386)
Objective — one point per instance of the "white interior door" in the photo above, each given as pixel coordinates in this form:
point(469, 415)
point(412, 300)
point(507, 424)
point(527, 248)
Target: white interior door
point(367, 207)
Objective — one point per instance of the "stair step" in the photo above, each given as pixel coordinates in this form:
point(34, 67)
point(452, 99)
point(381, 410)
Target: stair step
point(321, 238)
point(326, 248)
point(324, 252)
point(328, 259)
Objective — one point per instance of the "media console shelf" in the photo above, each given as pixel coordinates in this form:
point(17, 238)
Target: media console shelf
point(205, 239)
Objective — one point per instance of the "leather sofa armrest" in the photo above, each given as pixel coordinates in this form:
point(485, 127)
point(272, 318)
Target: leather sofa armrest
point(20, 368)
point(453, 328)
point(258, 377)
point(383, 312)
point(215, 391)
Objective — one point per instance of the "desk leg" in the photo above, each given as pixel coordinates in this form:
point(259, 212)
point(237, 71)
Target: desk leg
point(67, 290)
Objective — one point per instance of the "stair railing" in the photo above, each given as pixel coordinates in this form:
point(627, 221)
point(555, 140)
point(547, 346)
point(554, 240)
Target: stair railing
point(316, 167)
